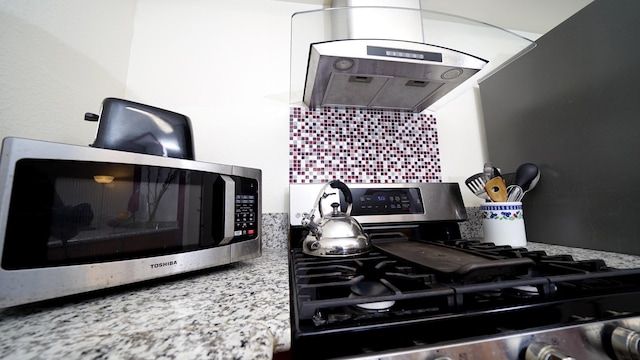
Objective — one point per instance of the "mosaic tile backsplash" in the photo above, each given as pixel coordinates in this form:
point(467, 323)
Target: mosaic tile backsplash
point(362, 146)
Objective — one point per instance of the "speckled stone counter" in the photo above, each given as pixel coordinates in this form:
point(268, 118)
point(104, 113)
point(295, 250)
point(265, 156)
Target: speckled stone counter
point(614, 260)
point(238, 311)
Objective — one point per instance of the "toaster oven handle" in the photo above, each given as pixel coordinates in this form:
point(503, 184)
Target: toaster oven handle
point(229, 208)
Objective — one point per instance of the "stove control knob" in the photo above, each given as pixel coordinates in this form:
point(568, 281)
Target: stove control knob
point(543, 351)
point(626, 344)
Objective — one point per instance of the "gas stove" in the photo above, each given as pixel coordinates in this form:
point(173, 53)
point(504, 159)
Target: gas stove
point(425, 293)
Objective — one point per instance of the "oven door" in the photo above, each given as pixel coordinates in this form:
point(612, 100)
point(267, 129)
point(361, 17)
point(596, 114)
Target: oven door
point(65, 212)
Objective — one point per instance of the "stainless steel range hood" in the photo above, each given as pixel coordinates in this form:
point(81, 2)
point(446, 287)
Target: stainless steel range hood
point(395, 58)
point(384, 74)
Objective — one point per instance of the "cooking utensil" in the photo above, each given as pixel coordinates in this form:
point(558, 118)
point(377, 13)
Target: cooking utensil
point(336, 234)
point(476, 184)
point(454, 262)
point(534, 182)
point(490, 171)
point(496, 189)
point(514, 193)
point(525, 176)
point(496, 172)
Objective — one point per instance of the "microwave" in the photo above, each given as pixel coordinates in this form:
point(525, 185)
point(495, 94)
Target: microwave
point(76, 219)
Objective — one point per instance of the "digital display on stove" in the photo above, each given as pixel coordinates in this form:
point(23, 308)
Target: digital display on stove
point(386, 201)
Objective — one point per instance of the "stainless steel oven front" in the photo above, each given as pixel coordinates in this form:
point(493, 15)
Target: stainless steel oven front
point(75, 219)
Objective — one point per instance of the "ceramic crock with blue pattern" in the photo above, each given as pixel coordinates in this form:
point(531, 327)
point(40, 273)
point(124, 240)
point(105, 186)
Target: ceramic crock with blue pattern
point(503, 223)
point(502, 211)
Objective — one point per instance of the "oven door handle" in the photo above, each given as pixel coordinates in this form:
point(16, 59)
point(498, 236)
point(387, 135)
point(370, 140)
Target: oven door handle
point(229, 208)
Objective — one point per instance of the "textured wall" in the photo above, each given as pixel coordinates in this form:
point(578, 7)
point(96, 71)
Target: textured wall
point(58, 60)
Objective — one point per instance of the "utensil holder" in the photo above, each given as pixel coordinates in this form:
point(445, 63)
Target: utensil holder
point(503, 223)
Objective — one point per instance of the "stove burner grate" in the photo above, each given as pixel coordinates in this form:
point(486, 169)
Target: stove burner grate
point(397, 290)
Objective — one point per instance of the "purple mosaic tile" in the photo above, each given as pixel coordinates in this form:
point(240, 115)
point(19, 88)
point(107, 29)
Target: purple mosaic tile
point(362, 146)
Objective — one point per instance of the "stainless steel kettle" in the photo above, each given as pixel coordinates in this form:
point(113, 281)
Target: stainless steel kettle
point(336, 234)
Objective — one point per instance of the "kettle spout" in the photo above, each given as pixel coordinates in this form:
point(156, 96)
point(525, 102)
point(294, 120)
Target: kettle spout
point(309, 224)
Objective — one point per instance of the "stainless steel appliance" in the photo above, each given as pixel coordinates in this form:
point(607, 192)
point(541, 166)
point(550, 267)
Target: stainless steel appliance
point(422, 292)
point(130, 126)
point(384, 74)
point(75, 219)
point(336, 233)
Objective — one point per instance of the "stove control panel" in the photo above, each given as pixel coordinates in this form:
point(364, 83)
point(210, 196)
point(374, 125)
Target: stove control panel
point(544, 351)
point(383, 203)
point(386, 201)
point(588, 340)
point(625, 343)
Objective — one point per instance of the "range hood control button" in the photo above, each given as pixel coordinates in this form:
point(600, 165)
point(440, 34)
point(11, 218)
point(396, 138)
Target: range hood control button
point(543, 351)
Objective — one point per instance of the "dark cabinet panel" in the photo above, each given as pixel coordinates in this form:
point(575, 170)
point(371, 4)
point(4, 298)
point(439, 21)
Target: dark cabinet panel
point(572, 105)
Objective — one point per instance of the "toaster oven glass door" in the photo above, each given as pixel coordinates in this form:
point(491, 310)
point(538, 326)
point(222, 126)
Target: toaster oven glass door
point(73, 212)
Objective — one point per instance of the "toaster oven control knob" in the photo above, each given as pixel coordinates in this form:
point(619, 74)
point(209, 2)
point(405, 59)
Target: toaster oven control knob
point(625, 343)
point(544, 351)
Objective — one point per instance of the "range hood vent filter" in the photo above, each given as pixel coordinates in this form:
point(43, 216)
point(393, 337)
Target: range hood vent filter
point(384, 74)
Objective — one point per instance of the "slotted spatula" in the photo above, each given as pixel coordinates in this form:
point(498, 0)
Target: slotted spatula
point(476, 184)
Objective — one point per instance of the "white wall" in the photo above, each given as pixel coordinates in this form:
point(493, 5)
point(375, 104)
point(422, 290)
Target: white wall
point(462, 145)
point(226, 66)
point(58, 60)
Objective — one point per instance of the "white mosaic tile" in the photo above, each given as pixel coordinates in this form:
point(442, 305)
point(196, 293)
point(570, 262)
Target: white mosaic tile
point(362, 146)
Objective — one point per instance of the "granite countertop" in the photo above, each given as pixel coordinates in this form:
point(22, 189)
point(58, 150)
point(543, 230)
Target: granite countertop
point(237, 311)
point(614, 260)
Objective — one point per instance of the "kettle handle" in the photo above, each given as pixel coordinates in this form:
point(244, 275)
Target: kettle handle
point(337, 184)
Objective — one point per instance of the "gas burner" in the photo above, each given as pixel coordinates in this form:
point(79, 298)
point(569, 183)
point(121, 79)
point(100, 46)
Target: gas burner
point(428, 293)
point(372, 289)
point(523, 292)
point(377, 306)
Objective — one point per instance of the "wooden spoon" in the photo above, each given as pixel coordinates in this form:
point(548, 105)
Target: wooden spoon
point(496, 189)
